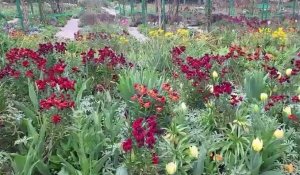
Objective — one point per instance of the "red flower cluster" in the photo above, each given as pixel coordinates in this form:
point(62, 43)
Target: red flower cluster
point(295, 99)
point(223, 88)
point(47, 48)
point(273, 100)
point(105, 56)
point(234, 100)
point(60, 47)
point(27, 60)
point(54, 78)
point(148, 98)
point(60, 102)
point(254, 23)
point(56, 118)
point(199, 69)
point(22, 61)
point(143, 136)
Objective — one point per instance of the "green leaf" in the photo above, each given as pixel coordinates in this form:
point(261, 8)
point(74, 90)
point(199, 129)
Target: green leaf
point(98, 165)
point(121, 171)
point(271, 173)
point(68, 166)
point(199, 164)
point(80, 92)
point(19, 162)
point(43, 168)
point(28, 112)
point(33, 96)
point(63, 171)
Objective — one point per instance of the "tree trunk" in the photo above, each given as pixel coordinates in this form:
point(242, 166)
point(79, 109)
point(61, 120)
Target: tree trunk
point(208, 9)
point(41, 10)
point(175, 9)
point(24, 7)
point(159, 12)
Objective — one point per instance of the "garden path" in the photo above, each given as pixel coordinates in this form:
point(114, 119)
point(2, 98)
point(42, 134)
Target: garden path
point(14, 21)
point(67, 32)
point(133, 31)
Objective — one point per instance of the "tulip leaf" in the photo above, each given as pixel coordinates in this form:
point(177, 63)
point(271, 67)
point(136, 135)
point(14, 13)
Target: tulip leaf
point(199, 164)
point(33, 96)
point(271, 173)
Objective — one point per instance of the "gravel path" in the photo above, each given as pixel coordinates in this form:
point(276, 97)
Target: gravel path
point(67, 32)
point(133, 31)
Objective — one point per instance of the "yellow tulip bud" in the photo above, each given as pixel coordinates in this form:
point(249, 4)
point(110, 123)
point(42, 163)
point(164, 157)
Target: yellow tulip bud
point(183, 106)
point(287, 110)
point(263, 96)
point(288, 72)
point(215, 74)
point(255, 108)
point(257, 145)
point(171, 168)
point(279, 133)
point(193, 151)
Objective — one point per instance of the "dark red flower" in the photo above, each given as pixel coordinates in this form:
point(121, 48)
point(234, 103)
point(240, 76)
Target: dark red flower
point(127, 145)
point(166, 86)
point(75, 69)
point(25, 63)
point(41, 84)
point(155, 159)
point(56, 119)
point(29, 74)
point(60, 47)
point(295, 99)
point(293, 117)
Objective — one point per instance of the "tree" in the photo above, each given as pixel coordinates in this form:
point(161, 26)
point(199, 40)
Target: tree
point(22, 8)
point(41, 10)
point(173, 11)
point(55, 6)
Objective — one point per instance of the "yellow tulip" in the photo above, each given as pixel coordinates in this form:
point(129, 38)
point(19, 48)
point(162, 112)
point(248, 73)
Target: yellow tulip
point(288, 71)
point(215, 74)
point(257, 144)
point(263, 96)
point(279, 133)
point(193, 151)
point(287, 110)
point(171, 168)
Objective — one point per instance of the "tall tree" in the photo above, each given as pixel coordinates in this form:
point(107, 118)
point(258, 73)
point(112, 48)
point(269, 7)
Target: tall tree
point(173, 12)
point(25, 15)
point(41, 10)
